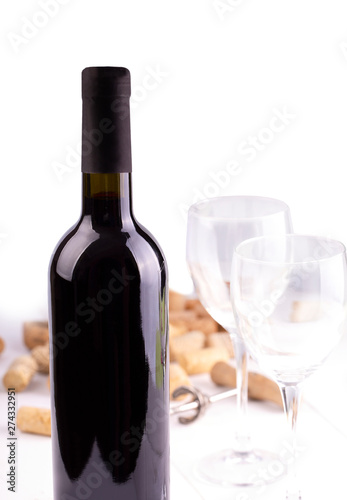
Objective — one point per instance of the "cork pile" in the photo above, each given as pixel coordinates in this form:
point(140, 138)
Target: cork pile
point(196, 340)
point(23, 369)
point(198, 344)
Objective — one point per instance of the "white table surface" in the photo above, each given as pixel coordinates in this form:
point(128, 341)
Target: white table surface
point(322, 435)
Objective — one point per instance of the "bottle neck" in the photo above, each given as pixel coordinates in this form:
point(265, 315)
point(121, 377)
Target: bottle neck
point(107, 199)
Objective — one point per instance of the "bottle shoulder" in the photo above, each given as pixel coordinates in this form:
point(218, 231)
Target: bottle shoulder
point(132, 246)
point(151, 240)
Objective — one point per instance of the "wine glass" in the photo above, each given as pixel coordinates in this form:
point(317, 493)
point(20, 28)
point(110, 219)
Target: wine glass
point(215, 227)
point(289, 299)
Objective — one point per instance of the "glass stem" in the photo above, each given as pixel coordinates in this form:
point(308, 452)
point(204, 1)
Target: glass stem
point(291, 395)
point(243, 441)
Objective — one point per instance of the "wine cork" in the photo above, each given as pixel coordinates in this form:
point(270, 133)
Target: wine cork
point(207, 325)
point(221, 339)
point(196, 306)
point(305, 310)
point(177, 301)
point(41, 355)
point(178, 377)
point(20, 373)
point(35, 333)
point(2, 344)
point(176, 330)
point(179, 318)
point(34, 420)
point(190, 341)
point(259, 387)
point(202, 360)
point(190, 321)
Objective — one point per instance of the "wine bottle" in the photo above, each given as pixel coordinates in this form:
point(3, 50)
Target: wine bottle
point(108, 322)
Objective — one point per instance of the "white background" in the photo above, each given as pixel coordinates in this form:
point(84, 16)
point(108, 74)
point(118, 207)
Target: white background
point(224, 70)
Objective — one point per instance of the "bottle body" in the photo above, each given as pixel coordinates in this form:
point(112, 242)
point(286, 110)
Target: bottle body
point(109, 369)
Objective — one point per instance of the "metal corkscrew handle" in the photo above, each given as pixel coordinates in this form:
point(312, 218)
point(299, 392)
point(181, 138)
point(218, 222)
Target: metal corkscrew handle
point(199, 403)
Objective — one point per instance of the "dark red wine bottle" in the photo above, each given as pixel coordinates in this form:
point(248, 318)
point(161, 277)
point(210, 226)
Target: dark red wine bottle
point(108, 322)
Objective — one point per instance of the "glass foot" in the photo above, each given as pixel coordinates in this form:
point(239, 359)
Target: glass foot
point(231, 468)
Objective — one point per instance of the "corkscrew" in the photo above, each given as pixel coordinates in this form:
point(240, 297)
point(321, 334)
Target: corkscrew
point(198, 403)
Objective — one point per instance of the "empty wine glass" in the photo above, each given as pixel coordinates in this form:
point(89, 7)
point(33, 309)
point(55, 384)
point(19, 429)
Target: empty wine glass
point(289, 299)
point(215, 227)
